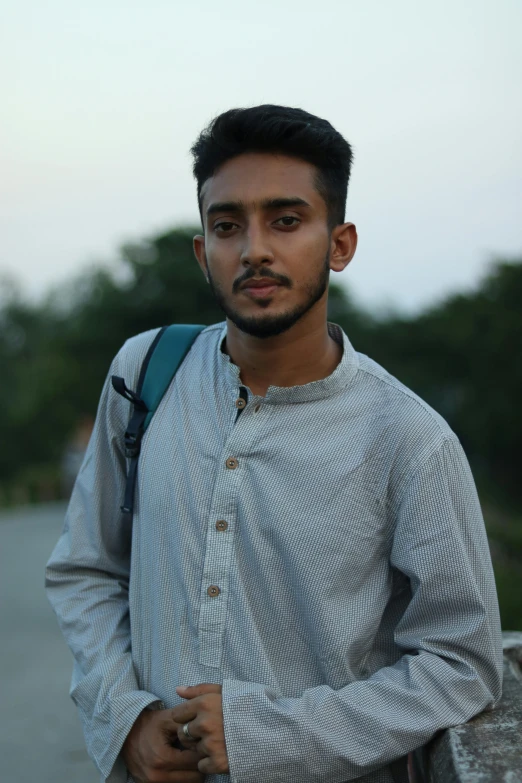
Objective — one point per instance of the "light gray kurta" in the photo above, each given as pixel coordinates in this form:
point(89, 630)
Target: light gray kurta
point(356, 611)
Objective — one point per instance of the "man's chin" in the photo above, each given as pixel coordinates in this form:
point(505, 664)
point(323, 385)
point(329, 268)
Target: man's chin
point(269, 326)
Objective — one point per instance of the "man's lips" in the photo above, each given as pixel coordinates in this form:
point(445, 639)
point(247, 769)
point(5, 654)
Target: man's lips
point(266, 281)
point(258, 288)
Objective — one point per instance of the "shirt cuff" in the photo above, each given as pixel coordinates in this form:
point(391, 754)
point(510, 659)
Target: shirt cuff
point(246, 707)
point(112, 766)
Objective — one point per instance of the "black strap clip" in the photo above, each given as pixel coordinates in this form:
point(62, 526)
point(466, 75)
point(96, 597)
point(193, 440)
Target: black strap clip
point(132, 440)
point(135, 427)
point(120, 386)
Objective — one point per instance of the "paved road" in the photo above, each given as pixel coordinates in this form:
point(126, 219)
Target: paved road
point(40, 735)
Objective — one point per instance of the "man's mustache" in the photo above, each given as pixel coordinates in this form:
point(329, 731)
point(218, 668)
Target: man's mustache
point(266, 274)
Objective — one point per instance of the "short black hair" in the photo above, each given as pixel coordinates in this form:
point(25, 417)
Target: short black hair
point(284, 130)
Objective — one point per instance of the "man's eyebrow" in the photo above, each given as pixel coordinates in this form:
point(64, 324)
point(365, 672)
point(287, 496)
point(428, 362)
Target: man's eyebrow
point(225, 206)
point(281, 203)
point(268, 203)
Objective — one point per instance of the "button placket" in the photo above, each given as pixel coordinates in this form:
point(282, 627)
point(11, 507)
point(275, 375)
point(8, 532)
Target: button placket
point(220, 538)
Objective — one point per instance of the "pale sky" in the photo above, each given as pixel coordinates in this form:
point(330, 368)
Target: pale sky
point(103, 99)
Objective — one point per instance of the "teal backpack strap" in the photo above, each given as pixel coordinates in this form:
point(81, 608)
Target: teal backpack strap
point(162, 361)
point(167, 351)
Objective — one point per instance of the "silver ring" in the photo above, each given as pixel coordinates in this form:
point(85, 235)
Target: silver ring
point(187, 733)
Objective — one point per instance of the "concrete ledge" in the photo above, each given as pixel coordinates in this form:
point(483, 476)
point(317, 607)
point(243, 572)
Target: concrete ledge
point(487, 749)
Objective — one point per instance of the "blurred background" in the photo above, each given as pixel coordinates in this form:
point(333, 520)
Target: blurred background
point(101, 103)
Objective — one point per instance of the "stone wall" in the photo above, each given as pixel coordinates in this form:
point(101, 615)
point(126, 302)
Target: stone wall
point(487, 749)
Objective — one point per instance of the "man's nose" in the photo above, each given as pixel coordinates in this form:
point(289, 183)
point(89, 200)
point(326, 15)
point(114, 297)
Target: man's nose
point(256, 249)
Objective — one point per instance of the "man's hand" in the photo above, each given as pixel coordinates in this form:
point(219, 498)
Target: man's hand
point(204, 713)
point(150, 755)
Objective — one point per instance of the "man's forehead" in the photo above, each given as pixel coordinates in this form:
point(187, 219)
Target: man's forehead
point(256, 178)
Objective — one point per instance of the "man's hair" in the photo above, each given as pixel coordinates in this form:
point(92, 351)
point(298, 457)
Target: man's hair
point(283, 130)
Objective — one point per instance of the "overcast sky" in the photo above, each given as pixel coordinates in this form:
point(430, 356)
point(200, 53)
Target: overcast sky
point(102, 100)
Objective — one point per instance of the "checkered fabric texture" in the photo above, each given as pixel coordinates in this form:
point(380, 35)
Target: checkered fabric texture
point(319, 552)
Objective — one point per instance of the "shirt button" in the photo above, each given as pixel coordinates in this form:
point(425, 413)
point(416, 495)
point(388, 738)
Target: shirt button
point(232, 463)
point(213, 590)
point(256, 408)
point(221, 524)
point(240, 402)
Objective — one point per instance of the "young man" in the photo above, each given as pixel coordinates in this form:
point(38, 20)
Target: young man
point(310, 594)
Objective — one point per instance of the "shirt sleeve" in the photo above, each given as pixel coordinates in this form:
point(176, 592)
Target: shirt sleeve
point(449, 637)
point(87, 581)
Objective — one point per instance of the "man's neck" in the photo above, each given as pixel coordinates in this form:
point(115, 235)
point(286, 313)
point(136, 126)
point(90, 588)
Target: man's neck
point(290, 359)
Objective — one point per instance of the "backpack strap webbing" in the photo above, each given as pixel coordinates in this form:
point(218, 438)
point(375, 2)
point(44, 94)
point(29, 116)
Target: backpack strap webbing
point(165, 354)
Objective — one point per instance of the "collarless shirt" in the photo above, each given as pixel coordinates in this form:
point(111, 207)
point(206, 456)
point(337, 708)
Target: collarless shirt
point(320, 552)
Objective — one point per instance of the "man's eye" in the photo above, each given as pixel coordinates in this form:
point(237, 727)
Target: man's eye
point(225, 226)
point(288, 220)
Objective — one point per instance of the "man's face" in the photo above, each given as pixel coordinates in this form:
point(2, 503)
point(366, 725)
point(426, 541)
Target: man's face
point(264, 219)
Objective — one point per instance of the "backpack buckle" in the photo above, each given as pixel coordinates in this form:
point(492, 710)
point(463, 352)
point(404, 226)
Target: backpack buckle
point(132, 444)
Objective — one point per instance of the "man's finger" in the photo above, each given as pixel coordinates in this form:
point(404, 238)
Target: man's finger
point(180, 742)
point(191, 691)
point(206, 766)
point(195, 737)
point(182, 713)
point(211, 766)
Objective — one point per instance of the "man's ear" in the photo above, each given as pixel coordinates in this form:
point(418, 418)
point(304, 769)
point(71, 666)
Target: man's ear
point(343, 246)
point(198, 244)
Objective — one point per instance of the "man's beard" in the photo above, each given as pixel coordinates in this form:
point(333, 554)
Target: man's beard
point(271, 325)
